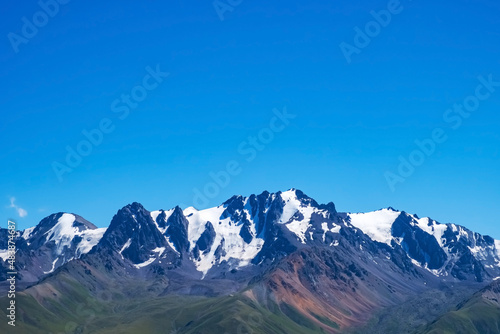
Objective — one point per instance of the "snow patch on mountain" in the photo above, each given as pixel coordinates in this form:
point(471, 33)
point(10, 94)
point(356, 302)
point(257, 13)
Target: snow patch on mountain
point(228, 245)
point(377, 224)
point(292, 205)
point(90, 238)
point(189, 210)
point(27, 233)
point(334, 229)
point(159, 250)
point(152, 258)
point(4, 254)
point(198, 219)
point(497, 247)
point(155, 214)
point(146, 263)
point(299, 228)
point(298, 224)
point(125, 246)
point(163, 230)
point(53, 266)
point(64, 232)
point(433, 228)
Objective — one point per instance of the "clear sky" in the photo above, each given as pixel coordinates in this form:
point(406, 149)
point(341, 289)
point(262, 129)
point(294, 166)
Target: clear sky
point(216, 111)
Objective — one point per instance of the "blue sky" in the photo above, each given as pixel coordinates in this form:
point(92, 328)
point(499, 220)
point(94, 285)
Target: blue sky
point(228, 80)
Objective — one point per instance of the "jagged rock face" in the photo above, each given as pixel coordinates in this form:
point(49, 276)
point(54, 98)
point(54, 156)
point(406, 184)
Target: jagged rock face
point(259, 205)
point(284, 250)
point(177, 226)
point(47, 229)
point(276, 242)
point(274, 219)
point(205, 242)
point(419, 245)
point(4, 238)
point(235, 211)
point(447, 250)
point(256, 232)
point(57, 239)
point(470, 253)
point(134, 236)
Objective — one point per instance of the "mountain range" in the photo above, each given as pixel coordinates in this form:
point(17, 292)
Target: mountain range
point(268, 263)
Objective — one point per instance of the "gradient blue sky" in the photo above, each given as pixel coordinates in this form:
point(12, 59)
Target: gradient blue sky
point(352, 121)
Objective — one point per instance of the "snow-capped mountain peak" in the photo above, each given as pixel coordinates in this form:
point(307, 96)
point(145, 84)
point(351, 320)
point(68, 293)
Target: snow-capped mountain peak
point(57, 239)
point(215, 235)
point(257, 230)
point(443, 249)
point(68, 231)
point(376, 224)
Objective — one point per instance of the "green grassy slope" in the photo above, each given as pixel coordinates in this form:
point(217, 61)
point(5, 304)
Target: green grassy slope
point(76, 311)
point(480, 317)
